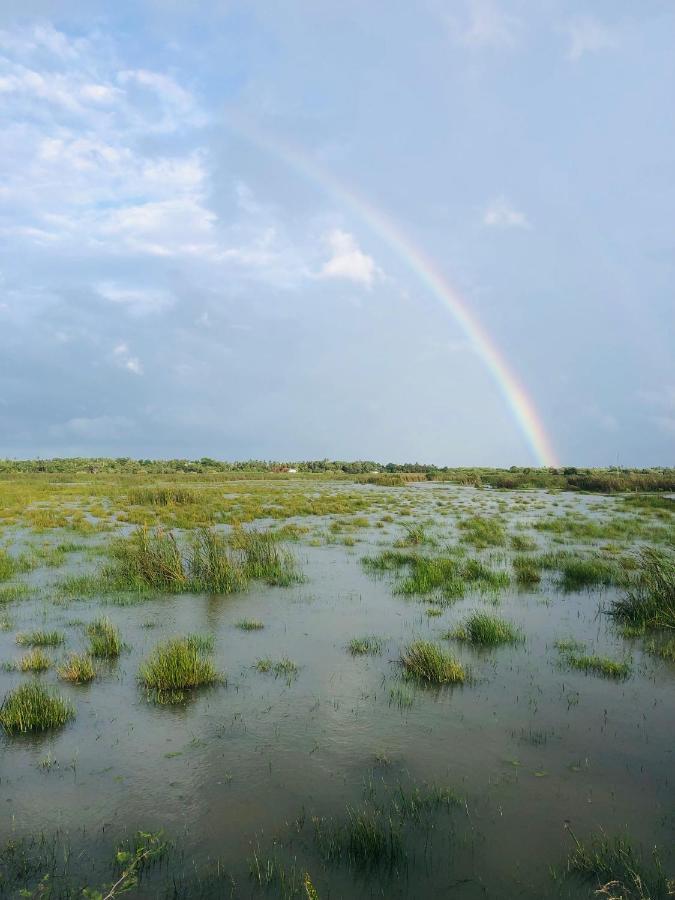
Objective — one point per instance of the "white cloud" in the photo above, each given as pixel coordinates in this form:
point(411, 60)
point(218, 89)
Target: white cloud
point(588, 35)
point(501, 214)
point(348, 261)
point(125, 360)
point(138, 300)
point(485, 24)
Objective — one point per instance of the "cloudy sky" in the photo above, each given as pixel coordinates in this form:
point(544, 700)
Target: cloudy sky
point(197, 210)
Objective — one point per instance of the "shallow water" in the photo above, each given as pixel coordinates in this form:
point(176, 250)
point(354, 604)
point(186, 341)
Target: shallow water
point(529, 745)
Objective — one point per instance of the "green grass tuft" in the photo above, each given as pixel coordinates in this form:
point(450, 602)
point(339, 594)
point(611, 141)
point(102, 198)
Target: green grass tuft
point(426, 661)
point(175, 666)
point(104, 639)
point(77, 668)
point(649, 602)
point(483, 630)
point(365, 646)
point(250, 624)
point(32, 707)
point(34, 661)
point(40, 639)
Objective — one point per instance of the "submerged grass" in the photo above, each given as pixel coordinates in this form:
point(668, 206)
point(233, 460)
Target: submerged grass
point(175, 666)
point(618, 870)
point(427, 662)
point(78, 668)
point(34, 661)
point(33, 707)
point(40, 638)
point(369, 838)
point(250, 624)
point(649, 601)
point(484, 630)
point(104, 639)
point(362, 646)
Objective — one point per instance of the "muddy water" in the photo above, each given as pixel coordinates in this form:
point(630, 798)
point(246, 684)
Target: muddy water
point(529, 745)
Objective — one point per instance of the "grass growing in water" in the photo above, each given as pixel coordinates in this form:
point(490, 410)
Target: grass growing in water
point(483, 630)
point(599, 665)
point(34, 661)
point(650, 601)
point(78, 668)
point(264, 558)
point(40, 639)
point(426, 661)
point(618, 870)
point(284, 666)
point(369, 838)
point(175, 666)
point(32, 707)
point(250, 624)
point(104, 639)
point(365, 645)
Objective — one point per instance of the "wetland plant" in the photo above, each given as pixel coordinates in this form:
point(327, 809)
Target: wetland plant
point(369, 838)
point(427, 662)
point(283, 666)
point(104, 639)
point(264, 558)
point(618, 870)
point(484, 630)
point(175, 666)
point(649, 602)
point(32, 707)
point(34, 661)
point(78, 668)
point(365, 646)
point(40, 639)
point(600, 665)
point(250, 624)
point(213, 567)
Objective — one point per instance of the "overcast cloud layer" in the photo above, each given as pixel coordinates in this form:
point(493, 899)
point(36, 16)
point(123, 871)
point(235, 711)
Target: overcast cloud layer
point(177, 277)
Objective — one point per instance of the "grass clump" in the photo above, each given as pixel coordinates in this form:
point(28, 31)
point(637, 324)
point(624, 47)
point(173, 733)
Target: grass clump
point(175, 666)
point(202, 643)
point(78, 669)
point(213, 567)
point(283, 667)
point(579, 572)
point(32, 707)
point(250, 624)
point(426, 661)
point(618, 870)
point(368, 839)
point(365, 646)
point(34, 661)
point(663, 649)
point(40, 639)
point(576, 658)
point(484, 630)
point(104, 639)
point(649, 601)
point(264, 558)
point(526, 570)
point(482, 532)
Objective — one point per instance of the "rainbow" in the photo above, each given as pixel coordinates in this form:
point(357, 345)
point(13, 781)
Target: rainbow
point(514, 394)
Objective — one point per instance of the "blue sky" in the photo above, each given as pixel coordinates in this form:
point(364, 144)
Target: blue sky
point(174, 283)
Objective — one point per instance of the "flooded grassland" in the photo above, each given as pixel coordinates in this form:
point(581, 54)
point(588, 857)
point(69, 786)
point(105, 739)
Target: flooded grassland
point(303, 687)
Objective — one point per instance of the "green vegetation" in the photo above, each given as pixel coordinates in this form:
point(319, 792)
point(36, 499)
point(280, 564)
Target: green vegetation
point(104, 639)
point(32, 707)
point(365, 645)
point(663, 649)
point(368, 838)
point(250, 624)
point(174, 667)
point(574, 655)
point(34, 661)
point(449, 576)
point(283, 667)
point(483, 630)
point(482, 532)
point(13, 565)
point(40, 639)
point(649, 602)
point(618, 870)
point(427, 662)
point(77, 668)
point(526, 570)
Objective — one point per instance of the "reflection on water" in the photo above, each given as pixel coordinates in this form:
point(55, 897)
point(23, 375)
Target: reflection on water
point(527, 744)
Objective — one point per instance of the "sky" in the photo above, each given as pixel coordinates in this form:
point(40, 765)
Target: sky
point(218, 223)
